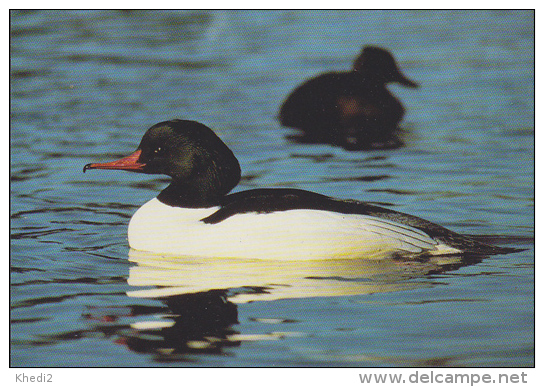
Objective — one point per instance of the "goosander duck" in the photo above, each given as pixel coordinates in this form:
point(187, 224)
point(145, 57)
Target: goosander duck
point(351, 109)
point(196, 216)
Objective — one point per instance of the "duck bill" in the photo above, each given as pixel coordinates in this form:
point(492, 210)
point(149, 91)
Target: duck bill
point(129, 163)
point(406, 82)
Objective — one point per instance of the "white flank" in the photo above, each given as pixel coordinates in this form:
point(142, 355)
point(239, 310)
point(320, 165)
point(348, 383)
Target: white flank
point(281, 235)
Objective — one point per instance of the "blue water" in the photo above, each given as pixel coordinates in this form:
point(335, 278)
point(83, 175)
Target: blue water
point(86, 85)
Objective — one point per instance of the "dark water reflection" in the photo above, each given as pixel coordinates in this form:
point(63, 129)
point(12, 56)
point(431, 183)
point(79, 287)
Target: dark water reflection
point(85, 85)
point(199, 297)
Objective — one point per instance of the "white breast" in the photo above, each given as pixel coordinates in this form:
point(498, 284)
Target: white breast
point(282, 235)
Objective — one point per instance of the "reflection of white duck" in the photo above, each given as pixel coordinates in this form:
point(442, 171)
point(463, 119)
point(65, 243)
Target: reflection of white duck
point(196, 216)
point(267, 280)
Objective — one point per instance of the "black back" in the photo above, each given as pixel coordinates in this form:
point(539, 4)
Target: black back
point(273, 200)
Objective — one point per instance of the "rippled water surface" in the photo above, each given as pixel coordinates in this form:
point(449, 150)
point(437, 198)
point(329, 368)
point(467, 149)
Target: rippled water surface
point(86, 85)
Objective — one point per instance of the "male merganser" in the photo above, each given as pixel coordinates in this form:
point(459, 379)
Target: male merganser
point(351, 109)
point(195, 215)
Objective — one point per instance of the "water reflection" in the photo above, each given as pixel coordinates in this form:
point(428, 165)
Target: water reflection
point(189, 323)
point(201, 296)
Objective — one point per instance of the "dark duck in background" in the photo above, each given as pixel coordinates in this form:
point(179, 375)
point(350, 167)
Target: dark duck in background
point(350, 109)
